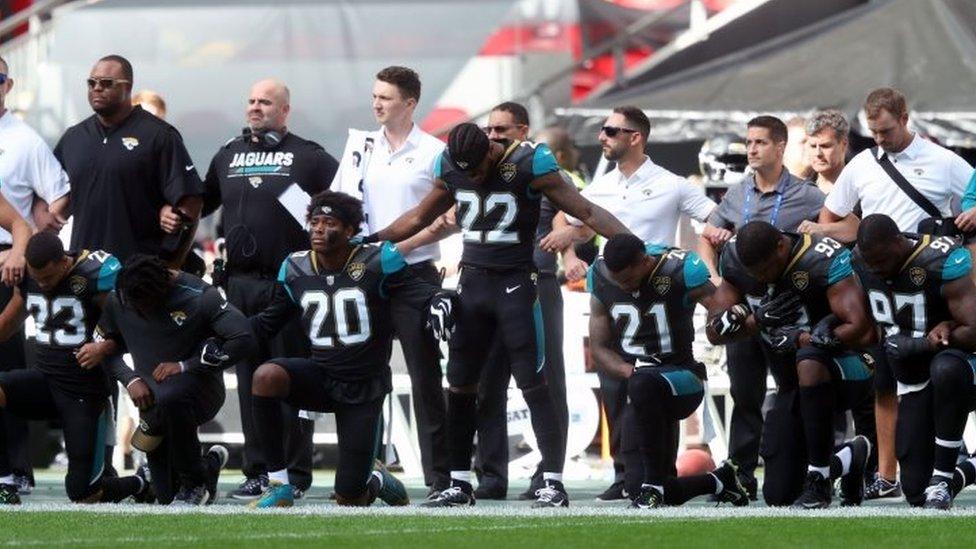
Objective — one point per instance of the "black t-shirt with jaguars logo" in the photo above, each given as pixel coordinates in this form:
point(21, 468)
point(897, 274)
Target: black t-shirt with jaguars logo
point(121, 177)
point(248, 179)
point(194, 311)
point(65, 318)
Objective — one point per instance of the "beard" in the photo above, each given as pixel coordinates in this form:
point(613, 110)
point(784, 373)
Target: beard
point(108, 110)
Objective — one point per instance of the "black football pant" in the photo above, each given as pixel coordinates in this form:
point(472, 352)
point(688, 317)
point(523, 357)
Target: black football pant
point(12, 357)
point(85, 422)
point(491, 461)
point(251, 294)
point(358, 423)
point(183, 402)
point(660, 397)
point(501, 304)
point(422, 356)
point(931, 421)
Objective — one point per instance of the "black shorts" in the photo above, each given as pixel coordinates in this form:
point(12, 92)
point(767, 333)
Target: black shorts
point(85, 421)
point(358, 407)
point(502, 303)
point(313, 388)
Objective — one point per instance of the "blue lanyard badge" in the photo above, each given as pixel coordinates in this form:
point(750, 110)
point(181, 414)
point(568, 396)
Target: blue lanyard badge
point(747, 208)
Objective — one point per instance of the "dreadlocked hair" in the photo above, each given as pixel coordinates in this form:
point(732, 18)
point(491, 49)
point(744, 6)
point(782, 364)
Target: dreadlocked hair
point(144, 282)
point(467, 145)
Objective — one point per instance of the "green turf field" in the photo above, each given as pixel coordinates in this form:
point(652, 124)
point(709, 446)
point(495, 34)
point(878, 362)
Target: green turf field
point(45, 520)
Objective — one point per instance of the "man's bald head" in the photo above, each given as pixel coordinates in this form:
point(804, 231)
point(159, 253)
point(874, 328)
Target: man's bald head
point(268, 105)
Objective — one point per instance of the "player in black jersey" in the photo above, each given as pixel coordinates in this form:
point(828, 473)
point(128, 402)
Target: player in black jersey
point(181, 333)
point(801, 294)
point(496, 189)
point(341, 291)
point(641, 328)
point(63, 292)
point(921, 295)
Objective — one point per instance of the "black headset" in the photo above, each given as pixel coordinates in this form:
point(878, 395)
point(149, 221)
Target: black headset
point(266, 139)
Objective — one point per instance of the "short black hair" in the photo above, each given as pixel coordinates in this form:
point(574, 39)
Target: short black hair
point(876, 230)
point(126, 66)
point(405, 79)
point(341, 206)
point(622, 251)
point(43, 249)
point(517, 110)
point(777, 129)
point(144, 283)
point(467, 145)
point(755, 242)
point(636, 116)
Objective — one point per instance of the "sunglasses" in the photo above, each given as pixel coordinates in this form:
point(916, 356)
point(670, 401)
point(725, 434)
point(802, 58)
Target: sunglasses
point(3, 78)
point(105, 83)
point(500, 129)
point(612, 131)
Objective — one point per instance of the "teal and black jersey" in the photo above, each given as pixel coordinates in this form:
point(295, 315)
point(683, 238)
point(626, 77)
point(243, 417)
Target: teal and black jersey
point(655, 323)
point(911, 303)
point(345, 313)
point(498, 217)
point(65, 318)
point(816, 264)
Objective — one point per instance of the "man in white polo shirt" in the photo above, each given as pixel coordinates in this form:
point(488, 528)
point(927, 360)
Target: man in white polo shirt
point(27, 169)
point(939, 175)
point(649, 201)
point(392, 169)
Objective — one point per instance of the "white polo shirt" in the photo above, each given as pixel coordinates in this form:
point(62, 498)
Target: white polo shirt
point(393, 182)
point(938, 173)
point(27, 167)
point(649, 202)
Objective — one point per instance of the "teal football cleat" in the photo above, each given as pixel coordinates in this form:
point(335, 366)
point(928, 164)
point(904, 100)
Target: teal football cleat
point(392, 491)
point(276, 495)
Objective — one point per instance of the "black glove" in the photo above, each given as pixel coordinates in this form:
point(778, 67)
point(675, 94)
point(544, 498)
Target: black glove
point(784, 340)
point(213, 353)
point(823, 335)
point(440, 321)
point(780, 310)
point(900, 347)
point(730, 321)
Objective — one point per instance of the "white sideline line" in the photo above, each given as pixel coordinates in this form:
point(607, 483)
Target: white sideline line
point(331, 510)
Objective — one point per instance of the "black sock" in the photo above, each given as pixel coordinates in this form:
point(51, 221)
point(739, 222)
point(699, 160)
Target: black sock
point(543, 415)
point(964, 475)
point(462, 421)
point(268, 425)
point(679, 490)
point(817, 410)
point(945, 457)
point(118, 488)
point(836, 467)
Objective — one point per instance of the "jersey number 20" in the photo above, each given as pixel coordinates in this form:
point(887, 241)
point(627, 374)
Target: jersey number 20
point(350, 331)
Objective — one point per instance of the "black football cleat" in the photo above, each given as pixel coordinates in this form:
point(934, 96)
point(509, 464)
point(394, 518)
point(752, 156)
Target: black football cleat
point(648, 498)
point(816, 492)
point(732, 489)
point(553, 494)
point(852, 484)
point(459, 494)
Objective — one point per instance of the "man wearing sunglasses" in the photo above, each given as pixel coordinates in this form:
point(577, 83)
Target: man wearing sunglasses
point(125, 165)
point(649, 201)
point(27, 169)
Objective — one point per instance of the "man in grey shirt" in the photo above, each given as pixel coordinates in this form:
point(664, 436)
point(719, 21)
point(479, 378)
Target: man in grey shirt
point(769, 193)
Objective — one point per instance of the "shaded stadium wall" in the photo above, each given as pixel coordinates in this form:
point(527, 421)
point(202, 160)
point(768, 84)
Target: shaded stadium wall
point(202, 57)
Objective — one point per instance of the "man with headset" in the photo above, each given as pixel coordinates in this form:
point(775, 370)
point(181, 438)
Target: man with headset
point(261, 178)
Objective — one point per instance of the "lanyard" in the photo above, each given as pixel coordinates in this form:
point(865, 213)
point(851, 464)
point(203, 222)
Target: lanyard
point(747, 207)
